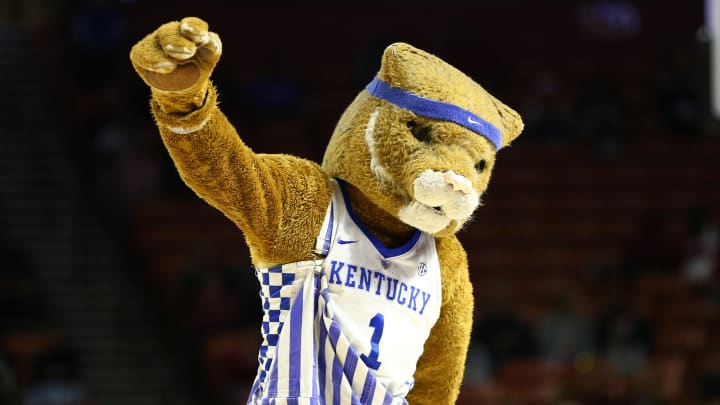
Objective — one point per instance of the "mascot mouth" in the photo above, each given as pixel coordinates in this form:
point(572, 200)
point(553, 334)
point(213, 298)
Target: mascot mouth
point(439, 199)
point(456, 210)
point(446, 193)
point(423, 217)
point(438, 210)
point(433, 219)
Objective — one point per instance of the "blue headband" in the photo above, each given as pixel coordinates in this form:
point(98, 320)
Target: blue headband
point(434, 109)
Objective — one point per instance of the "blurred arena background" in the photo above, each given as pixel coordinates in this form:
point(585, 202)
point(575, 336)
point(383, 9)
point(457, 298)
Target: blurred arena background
point(594, 259)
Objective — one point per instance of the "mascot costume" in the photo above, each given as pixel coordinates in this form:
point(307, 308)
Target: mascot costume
point(365, 288)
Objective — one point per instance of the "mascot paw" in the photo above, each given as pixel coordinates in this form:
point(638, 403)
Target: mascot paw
point(178, 57)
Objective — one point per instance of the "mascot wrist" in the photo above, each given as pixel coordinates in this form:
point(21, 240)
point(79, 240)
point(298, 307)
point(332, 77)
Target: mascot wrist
point(184, 113)
point(182, 102)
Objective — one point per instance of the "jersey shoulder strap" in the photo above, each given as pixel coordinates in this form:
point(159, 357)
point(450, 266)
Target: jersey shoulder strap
point(324, 237)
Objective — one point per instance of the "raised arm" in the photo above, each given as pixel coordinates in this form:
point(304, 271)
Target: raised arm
point(278, 201)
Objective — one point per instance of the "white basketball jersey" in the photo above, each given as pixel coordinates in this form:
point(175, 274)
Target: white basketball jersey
point(349, 328)
point(386, 300)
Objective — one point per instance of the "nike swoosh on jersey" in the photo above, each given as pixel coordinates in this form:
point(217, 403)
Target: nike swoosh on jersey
point(345, 242)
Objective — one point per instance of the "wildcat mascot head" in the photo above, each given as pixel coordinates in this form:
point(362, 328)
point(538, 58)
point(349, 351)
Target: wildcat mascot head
point(421, 140)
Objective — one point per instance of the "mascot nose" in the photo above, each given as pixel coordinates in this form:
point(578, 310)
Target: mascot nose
point(458, 182)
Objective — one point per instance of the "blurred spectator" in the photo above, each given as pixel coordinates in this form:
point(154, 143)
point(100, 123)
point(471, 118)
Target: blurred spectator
point(230, 363)
point(110, 150)
point(57, 382)
point(24, 325)
point(97, 32)
point(21, 298)
point(678, 100)
point(653, 249)
point(610, 19)
point(606, 269)
point(563, 332)
point(708, 382)
point(215, 304)
point(216, 297)
point(546, 112)
point(140, 172)
point(699, 266)
point(220, 312)
point(602, 116)
point(9, 390)
point(15, 117)
point(654, 386)
point(624, 336)
point(96, 57)
point(599, 385)
point(278, 91)
point(479, 367)
point(500, 331)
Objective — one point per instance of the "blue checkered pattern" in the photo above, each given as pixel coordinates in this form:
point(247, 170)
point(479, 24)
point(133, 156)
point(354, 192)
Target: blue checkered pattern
point(276, 299)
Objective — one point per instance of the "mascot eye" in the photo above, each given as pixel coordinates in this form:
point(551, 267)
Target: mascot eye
point(420, 133)
point(480, 166)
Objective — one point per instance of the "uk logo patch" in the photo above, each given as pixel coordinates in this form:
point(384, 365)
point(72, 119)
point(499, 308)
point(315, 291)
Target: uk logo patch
point(422, 269)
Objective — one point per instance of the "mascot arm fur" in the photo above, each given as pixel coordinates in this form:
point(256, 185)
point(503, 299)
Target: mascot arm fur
point(440, 369)
point(278, 201)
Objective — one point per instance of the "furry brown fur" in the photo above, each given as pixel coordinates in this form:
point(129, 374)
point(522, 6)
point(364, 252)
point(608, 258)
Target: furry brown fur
point(278, 201)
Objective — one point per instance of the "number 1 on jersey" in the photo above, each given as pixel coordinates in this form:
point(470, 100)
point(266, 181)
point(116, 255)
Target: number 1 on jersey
point(377, 323)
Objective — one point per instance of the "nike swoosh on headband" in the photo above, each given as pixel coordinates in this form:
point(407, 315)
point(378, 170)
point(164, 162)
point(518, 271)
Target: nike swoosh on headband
point(434, 109)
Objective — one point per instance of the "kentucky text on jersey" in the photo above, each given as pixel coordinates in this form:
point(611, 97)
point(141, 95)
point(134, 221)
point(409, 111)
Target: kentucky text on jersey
point(379, 284)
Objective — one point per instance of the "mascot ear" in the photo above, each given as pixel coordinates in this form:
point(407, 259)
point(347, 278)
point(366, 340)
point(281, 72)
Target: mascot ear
point(511, 121)
point(399, 60)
